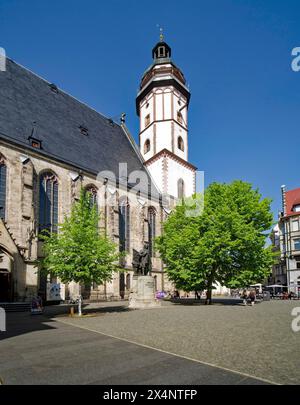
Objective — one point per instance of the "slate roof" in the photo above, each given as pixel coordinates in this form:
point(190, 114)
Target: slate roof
point(25, 98)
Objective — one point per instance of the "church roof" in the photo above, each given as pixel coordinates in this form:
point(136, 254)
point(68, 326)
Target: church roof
point(32, 109)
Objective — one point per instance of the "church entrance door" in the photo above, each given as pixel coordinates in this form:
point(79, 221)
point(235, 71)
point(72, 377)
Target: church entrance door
point(5, 286)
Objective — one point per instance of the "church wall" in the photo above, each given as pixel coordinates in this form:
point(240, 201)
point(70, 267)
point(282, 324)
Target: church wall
point(177, 171)
point(158, 95)
point(146, 107)
point(22, 218)
point(156, 169)
point(167, 107)
point(164, 136)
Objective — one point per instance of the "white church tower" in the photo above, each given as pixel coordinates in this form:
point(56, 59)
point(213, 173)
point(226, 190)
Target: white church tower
point(162, 105)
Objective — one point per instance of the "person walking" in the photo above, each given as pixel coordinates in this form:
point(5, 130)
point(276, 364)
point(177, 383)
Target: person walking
point(252, 297)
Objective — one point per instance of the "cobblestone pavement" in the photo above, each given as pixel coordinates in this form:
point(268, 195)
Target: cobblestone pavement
point(257, 341)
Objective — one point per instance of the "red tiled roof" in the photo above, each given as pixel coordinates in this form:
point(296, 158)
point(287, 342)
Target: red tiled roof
point(292, 198)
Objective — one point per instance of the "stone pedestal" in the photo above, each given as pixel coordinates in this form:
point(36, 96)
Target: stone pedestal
point(142, 295)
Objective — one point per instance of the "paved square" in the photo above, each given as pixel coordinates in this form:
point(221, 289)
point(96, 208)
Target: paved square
point(193, 345)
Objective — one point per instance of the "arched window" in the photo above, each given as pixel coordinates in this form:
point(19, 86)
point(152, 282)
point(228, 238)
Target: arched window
point(151, 229)
point(48, 207)
point(180, 188)
point(92, 191)
point(147, 146)
point(180, 143)
point(124, 225)
point(2, 188)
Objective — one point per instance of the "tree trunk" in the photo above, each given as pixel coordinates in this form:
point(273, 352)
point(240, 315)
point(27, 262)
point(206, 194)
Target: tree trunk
point(208, 298)
point(209, 289)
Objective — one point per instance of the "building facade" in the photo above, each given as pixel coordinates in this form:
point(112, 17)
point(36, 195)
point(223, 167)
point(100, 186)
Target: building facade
point(286, 241)
point(52, 145)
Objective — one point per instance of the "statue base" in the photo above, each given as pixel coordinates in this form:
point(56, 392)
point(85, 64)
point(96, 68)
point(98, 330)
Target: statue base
point(142, 295)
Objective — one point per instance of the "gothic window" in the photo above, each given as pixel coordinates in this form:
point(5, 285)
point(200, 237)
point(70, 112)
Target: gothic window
point(180, 187)
point(151, 229)
point(147, 146)
point(2, 188)
point(147, 120)
point(180, 143)
point(92, 191)
point(48, 207)
point(124, 225)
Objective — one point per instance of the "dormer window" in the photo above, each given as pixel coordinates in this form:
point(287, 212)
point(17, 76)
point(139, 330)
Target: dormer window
point(84, 130)
point(296, 208)
point(35, 143)
point(53, 87)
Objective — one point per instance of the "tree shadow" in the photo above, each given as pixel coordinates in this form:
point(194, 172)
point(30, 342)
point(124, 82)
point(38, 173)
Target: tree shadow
point(19, 323)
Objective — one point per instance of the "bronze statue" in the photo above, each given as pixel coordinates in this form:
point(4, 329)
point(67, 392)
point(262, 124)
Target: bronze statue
point(141, 262)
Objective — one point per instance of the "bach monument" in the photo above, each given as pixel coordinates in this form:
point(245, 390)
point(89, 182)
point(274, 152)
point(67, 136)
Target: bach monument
point(142, 295)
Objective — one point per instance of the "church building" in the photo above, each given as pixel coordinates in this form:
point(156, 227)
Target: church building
point(52, 145)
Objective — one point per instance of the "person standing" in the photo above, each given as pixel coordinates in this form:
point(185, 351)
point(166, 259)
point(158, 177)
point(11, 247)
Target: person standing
point(245, 296)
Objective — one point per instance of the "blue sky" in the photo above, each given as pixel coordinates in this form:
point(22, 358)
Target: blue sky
point(236, 56)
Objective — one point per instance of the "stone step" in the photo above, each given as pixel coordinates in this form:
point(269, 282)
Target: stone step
point(16, 306)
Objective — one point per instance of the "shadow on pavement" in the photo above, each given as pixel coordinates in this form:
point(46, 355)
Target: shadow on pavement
point(19, 323)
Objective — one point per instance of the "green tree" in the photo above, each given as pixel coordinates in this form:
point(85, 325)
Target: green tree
point(225, 243)
point(79, 252)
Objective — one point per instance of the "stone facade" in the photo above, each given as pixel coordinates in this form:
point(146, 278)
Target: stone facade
point(19, 243)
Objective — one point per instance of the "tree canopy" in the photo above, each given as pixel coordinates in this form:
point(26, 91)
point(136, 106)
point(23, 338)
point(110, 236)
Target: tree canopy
point(79, 252)
point(225, 243)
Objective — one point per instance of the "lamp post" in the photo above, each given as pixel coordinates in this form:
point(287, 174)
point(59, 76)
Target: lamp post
point(286, 238)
